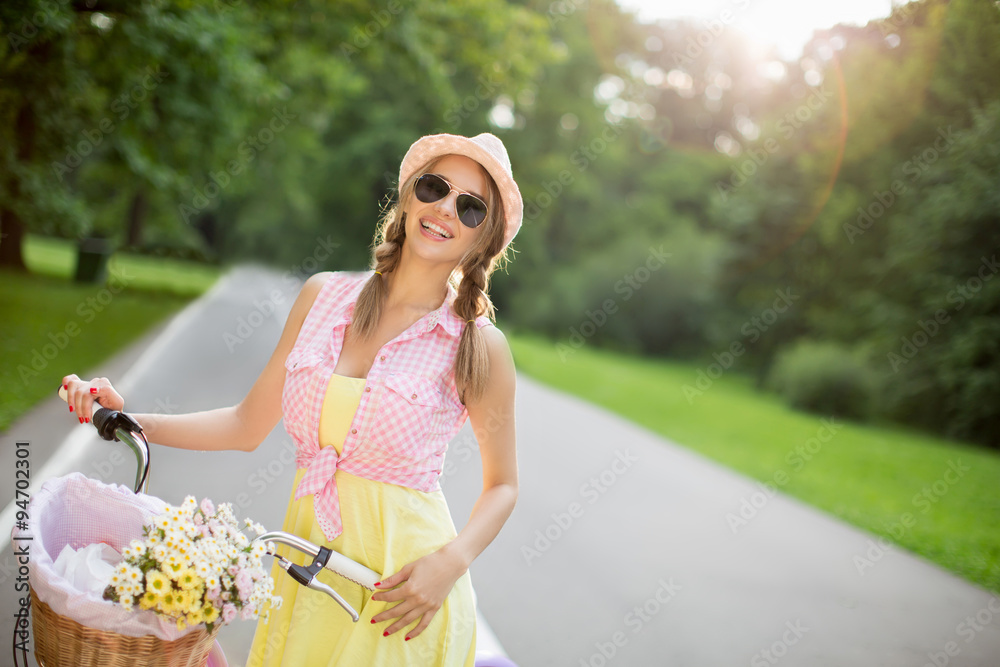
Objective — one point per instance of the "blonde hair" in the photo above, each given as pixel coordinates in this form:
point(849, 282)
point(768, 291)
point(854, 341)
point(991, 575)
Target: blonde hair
point(470, 278)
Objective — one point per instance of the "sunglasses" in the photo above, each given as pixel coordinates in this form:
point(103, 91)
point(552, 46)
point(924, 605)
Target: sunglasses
point(471, 209)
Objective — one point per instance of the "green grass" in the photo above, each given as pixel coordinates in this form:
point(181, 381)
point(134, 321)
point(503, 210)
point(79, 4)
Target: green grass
point(57, 258)
point(53, 327)
point(871, 476)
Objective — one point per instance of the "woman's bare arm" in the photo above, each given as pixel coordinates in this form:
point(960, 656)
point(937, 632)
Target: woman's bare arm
point(492, 419)
point(243, 426)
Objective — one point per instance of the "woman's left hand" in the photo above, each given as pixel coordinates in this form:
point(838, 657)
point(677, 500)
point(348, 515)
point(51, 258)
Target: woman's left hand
point(422, 586)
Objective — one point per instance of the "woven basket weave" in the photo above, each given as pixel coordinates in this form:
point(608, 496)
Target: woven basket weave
point(60, 641)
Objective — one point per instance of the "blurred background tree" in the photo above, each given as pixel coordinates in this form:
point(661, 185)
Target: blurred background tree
point(859, 180)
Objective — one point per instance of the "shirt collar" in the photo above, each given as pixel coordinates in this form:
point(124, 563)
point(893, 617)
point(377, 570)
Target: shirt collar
point(446, 316)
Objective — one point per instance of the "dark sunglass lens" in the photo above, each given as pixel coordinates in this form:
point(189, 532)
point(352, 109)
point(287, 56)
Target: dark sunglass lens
point(431, 188)
point(472, 211)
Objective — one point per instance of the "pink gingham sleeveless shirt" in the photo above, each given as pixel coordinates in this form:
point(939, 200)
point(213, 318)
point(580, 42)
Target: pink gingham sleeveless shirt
point(409, 410)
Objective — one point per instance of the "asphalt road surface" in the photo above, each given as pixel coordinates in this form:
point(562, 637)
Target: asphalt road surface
point(624, 549)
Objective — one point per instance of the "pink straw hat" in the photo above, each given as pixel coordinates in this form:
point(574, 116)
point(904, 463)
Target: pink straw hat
point(487, 150)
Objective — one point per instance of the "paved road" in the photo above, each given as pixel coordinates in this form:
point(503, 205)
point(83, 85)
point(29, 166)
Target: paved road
point(619, 552)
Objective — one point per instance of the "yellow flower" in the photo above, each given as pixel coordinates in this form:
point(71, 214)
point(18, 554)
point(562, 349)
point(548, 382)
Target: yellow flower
point(209, 612)
point(187, 579)
point(182, 601)
point(168, 602)
point(180, 623)
point(194, 617)
point(157, 583)
point(149, 600)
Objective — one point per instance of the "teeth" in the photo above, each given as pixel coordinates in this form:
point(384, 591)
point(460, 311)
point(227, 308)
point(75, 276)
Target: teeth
point(436, 229)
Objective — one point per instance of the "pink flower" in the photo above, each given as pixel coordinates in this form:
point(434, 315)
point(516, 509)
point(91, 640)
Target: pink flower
point(244, 584)
point(207, 507)
point(228, 612)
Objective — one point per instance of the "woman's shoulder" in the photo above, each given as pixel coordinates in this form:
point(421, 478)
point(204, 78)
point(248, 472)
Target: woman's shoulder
point(322, 291)
point(497, 347)
point(337, 278)
point(334, 282)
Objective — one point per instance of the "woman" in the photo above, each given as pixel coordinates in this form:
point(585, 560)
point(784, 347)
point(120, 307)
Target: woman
point(374, 374)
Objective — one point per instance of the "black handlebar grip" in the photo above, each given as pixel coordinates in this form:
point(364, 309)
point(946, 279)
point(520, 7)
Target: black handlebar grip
point(107, 421)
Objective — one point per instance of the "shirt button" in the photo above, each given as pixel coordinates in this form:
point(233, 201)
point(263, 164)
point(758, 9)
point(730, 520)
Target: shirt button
point(368, 388)
point(354, 430)
point(382, 358)
point(414, 396)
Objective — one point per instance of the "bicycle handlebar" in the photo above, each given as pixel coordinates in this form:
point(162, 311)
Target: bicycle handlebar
point(323, 558)
point(113, 425)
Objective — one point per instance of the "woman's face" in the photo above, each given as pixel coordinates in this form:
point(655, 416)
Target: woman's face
point(464, 174)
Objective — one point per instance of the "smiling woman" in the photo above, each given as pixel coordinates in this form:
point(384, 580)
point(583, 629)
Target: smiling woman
point(383, 371)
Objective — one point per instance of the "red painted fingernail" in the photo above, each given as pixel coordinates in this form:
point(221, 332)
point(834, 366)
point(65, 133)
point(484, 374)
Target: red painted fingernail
point(373, 621)
point(65, 386)
point(86, 420)
point(93, 390)
point(71, 408)
point(385, 634)
point(378, 583)
point(406, 639)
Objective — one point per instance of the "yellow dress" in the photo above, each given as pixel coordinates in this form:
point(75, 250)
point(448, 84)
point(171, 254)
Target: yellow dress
point(386, 526)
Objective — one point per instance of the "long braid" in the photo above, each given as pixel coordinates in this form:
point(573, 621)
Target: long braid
point(387, 254)
point(472, 363)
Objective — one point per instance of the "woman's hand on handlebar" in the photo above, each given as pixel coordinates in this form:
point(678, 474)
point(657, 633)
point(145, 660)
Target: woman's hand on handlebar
point(81, 394)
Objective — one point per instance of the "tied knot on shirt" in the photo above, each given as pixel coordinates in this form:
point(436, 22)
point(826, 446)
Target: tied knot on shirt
point(319, 482)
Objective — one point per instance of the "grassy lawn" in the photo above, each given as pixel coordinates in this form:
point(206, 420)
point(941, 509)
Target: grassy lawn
point(57, 258)
point(873, 477)
point(53, 326)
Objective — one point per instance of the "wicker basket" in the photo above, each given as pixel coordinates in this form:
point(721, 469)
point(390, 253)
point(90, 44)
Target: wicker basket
point(61, 641)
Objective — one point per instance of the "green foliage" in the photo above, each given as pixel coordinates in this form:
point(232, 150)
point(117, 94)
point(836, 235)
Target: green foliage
point(826, 378)
point(275, 134)
point(941, 337)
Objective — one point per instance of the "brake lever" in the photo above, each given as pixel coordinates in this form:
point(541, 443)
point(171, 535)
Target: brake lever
point(309, 580)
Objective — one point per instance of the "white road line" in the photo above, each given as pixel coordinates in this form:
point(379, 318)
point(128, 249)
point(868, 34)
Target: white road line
point(74, 448)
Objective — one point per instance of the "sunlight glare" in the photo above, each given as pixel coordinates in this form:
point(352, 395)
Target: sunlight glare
point(784, 24)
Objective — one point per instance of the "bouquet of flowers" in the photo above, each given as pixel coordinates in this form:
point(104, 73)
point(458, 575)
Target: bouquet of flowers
point(195, 566)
